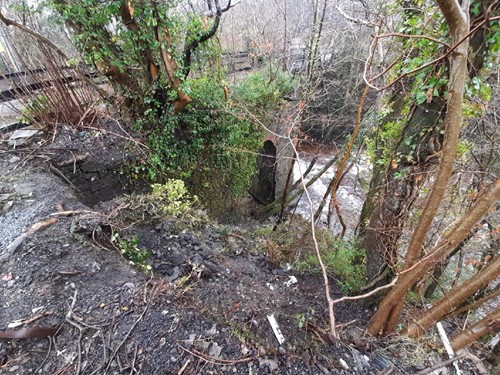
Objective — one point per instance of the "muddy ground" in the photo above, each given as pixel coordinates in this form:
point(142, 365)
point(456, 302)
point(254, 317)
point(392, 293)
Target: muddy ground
point(203, 310)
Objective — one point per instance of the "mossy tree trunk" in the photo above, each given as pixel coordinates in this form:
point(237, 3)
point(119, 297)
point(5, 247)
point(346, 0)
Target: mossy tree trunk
point(394, 188)
point(386, 318)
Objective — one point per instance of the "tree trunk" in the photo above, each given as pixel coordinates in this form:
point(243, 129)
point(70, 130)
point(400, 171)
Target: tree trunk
point(385, 319)
point(488, 325)
point(394, 189)
point(453, 298)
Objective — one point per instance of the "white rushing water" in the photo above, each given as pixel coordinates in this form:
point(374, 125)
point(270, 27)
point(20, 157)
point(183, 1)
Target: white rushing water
point(350, 195)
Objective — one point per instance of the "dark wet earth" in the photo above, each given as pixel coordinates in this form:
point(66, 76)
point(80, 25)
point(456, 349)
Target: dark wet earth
point(205, 309)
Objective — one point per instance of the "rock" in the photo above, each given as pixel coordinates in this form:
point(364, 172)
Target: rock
point(128, 286)
point(21, 136)
point(343, 364)
point(215, 350)
point(174, 274)
point(269, 363)
point(212, 331)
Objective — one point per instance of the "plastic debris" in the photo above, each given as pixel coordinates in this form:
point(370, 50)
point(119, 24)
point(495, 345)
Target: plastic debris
point(292, 280)
point(276, 329)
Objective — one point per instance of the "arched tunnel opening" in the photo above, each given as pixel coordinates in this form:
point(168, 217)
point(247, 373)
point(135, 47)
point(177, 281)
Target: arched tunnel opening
point(263, 187)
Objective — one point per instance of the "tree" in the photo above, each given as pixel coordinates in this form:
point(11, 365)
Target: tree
point(415, 266)
point(138, 45)
point(409, 140)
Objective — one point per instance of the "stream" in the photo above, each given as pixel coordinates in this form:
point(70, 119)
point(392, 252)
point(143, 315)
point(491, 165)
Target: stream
point(350, 195)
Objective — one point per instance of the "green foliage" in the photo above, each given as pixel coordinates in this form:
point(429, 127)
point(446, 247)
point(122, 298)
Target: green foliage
point(264, 231)
point(210, 145)
point(344, 259)
point(38, 107)
point(263, 88)
point(169, 204)
point(302, 319)
point(131, 251)
point(464, 149)
point(172, 198)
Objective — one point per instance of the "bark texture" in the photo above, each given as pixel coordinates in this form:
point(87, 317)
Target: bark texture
point(453, 298)
point(488, 325)
point(386, 317)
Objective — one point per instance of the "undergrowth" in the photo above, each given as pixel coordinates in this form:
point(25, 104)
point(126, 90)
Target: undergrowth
point(292, 243)
point(213, 144)
point(169, 203)
point(342, 258)
point(131, 251)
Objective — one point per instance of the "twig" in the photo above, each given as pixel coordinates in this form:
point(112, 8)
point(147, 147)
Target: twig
point(374, 291)
point(25, 159)
point(116, 135)
point(115, 352)
point(21, 322)
point(80, 331)
point(11, 248)
point(214, 360)
point(342, 165)
point(134, 359)
point(46, 356)
point(440, 365)
point(235, 236)
point(70, 213)
point(184, 366)
point(410, 36)
point(450, 50)
point(316, 247)
point(477, 362)
point(60, 174)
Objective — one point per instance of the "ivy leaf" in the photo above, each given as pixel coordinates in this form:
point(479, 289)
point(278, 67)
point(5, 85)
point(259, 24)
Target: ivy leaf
point(421, 97)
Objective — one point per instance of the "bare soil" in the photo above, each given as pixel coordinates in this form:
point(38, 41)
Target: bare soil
point(204, 310)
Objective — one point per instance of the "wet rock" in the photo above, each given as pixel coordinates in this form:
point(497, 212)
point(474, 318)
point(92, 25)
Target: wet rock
point(272, 365)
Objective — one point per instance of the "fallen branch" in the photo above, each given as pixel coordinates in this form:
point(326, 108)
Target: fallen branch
point(71, 213)
point(11, 248)
point(214, 360)
point(440, 365)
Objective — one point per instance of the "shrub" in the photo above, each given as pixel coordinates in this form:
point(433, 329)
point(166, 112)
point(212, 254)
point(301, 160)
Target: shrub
point(172, 198)
point(210, 146)
point(343, 259)
point(263, 88)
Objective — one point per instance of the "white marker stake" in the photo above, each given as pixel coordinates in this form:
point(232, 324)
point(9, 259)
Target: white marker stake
point(447, 345)
point(276, 329)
